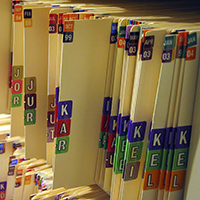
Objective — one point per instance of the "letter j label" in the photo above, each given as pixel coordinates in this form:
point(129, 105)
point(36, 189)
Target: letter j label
point(64, 109)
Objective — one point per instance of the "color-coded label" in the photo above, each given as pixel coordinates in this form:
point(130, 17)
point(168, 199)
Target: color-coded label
point(121, 42)
point(17, 86)
point(29, 117)
point(30, 101)
point(157, 139)
point(51, 102)
point(105, 123)
point(177, 180)
point(109, 159)
point(60, 28)
point(3, 186)
point(17, 9)
point(63, 128)
point(18, 17)
point(27, 13)
point(50, 134)
point(101, 139)
point(111, 142)
point(192, 39)
point(148, 42)
point(151, 179)
point(122, 31)
point(18, 182)
point(136, 131)
point(182, 38)
point(27, 180)
point(107, 106)
point(30, 85)
point(2, 148)
point(167, 56)
point(53, 18)
point(68, 37)
point(17, 72)
point(191, 53)
point(65, 109)
point(114, 28)
point(73, 16)
point(11, 170)
point(52, 28)
point(131, 171)
point(50, 119)
point(62, 145)
point(68, 26)
point(183, 136)
point(134, 37)
point(60, 18)
point(132, 51)
point(169, 42)
point(123, 124)
point(28, 23)
point(147, 54)
point(113, 125)
point(16, 100)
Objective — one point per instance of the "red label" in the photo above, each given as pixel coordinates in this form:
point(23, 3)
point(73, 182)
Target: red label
point(87, 16)
point(105, 123)
point(16, 86)
point(73, 16)
point(52, 18)
point(111, 142)
point(121, 42)
point(182, 38)
point(191, 53)
point(18, 9)
point(65, 17)
point(63, 127)
point(68, 26)
point(60, 18)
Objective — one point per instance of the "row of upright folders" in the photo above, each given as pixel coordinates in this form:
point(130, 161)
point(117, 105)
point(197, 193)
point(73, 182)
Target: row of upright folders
point(96, 98)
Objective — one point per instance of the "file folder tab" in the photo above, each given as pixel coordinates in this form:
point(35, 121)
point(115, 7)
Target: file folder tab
point(68, 37)
point(62, 145)
point(64, 109)
point(3, 190)
point(30, 85)
point(63, 128)
point(17, 72)
point(29, 117)
point(157, 138)
point(30, 101)
point(16, 100)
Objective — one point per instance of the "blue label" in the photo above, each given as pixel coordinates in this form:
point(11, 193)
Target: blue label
point(68, 37)
point(1, 146)
point(192, 39)
point(57, 95)
point(123, 125)
point(27, 13)
point(52, 28)
point(148, 42)
point(60, 28)
point(14, 162)
point(167, 56)
point(136, 131)
point(183, 136)
point(113, 124)
point(114, 28)
point(169, 42)
point(64, 109)
point(172, 138)
point(128, 29)
point(107, 106)
point(168, 134)
point(3, 186)
point(157, 138)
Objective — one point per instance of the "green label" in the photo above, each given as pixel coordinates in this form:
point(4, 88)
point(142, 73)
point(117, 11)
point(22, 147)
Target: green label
point(16, 100)
point(105, 141)
point(101, 139)
point(134, 151)
point(192, 39)
point(62, 144)
point(169, 160)
point(169, 42)
point(122, 31)
point(29, 117)
point(164, 159)
point(180, 159)
point(153, 160)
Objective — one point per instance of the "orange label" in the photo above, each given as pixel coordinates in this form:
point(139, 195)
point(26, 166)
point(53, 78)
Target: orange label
point(151, 179)
point(177, 180)
point(182, 38)
point(162, 179)
point(18, 17)
point(18, 9)
point(19, 172)
point(65, 17)
point(73, 16)
point(28, 23)
point(121, 42)
point(87, 16)
point(68, 26)
point(27, 180)
point(191, 53)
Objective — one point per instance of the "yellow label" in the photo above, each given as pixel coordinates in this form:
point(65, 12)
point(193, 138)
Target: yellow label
point(27, 180)
point(28, 23)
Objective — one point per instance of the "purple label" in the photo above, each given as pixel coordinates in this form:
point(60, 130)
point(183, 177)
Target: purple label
point(3, 186)
point(132, 51)
point(52, 28)
point(113, 38)
point(50, 118)
point(60, 28)
point(148, 42)
point(30, 101)
point(167, 56)
point(113, 124)
point(107, 106)
point(168, 134)
point(147, 54)
point(136, 131)
point(17, 184)
point(50, 134)
point(64, 109)
point(57, 95)
point(134, 37)
point(183, 136)
point(157, 138)
point(128, 29)
point(11, 170)
point(68, 37)
point(109, 159)
point(123, 125)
